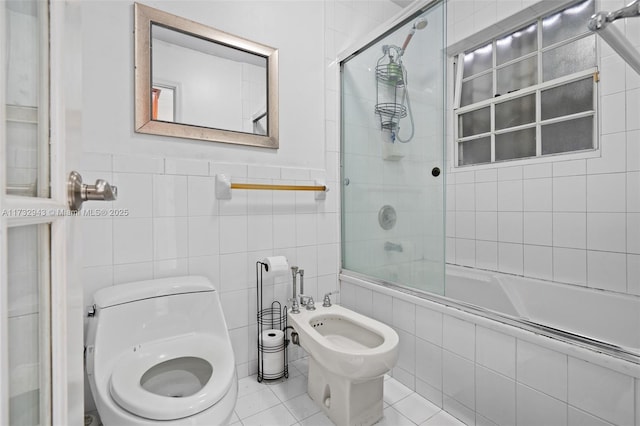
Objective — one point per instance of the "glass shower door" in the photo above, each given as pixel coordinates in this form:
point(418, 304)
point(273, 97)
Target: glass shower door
point(393, 155)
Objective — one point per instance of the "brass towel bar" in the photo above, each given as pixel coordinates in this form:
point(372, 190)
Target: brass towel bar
point(278, 187)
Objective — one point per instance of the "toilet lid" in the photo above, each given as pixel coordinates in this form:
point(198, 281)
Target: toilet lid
point(127, 391)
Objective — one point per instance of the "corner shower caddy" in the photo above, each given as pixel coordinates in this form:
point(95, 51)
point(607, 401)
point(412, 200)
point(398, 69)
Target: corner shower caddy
point(390, 88)
point(273, 317)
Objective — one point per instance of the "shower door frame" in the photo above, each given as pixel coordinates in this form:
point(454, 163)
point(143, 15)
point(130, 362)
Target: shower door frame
point(402, 18)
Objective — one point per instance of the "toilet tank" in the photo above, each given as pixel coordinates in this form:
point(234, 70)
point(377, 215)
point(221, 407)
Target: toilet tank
point(128, 315)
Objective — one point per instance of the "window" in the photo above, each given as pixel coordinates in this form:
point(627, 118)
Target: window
point(529, 93)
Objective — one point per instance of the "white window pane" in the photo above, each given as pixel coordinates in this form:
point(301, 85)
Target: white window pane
point(476, 151)
point(26, 98)
point(570, 135)
point(474, 122)
point(573, 57)
point(477, 61)
point(476, 90)
point(27, 323)
point(516, 112)
point(517, 76)
point(517, 44)
point(518, 144)
point(567, 99)
point(566, 24)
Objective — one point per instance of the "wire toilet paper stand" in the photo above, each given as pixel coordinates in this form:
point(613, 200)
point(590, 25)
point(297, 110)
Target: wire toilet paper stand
point(272, 321)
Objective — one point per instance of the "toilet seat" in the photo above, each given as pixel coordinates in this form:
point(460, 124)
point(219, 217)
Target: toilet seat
point(127, 391)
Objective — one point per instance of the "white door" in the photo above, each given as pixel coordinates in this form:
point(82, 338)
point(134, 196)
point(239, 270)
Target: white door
point(41, 347)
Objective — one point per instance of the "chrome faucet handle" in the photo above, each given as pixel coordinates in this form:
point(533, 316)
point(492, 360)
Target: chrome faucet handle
point(295, 308)
point(327, 299)
point(308, 302)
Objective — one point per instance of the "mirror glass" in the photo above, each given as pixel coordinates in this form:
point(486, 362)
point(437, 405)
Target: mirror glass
point(207, 84)
point(197, 82)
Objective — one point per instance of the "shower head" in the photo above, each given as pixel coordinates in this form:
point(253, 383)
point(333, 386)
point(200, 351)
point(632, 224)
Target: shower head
point(419, 24)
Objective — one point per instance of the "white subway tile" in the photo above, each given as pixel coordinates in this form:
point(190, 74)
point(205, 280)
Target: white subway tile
point(465, 252)
point(170, 238)
point(612, 159)
point(133, 164)
point(570, 230)
point(99, 241)
point(570, 265)
point(487, 226)
point(486, 197)
point(289, 173)
point(538, 227)
point(170, 268)
point(450, 224)
point(464, 177)
point(540, 170)
point(510, 227)
point(632, 110)
point(130, 272)
point(260, 202)
point(328, 228)
point(169, 195)
point(459, 336)
point(259, 232)
point(542, 369)
point(535, 408)
point(601, 392)
point(236, 308)
point(465, 225)
point(207, 266)
point(458, 380)
point(606, 231)
point(613, 71)
point(510, 258)
point(495, 396)
point(429, 325)
point(284, 231)
point(496, 351)
point(450, 250)
point(510, 173)
point(407, 352)
point(460, 412)
point(96, 162)
point(613, 112)
point(633, 150)
point(233, 234)
point(132, 240)
point(487, 255)
point(404, 315)
point(450, 194)
point(306, 229)
point(135, 193)
point(184, 166)
point(201, 197)
point(633, 274)
point(538, 195)
point(510, 196)
point(607, 270)
point(569, 168)
point(203, 236)
point(633, 233)
point(234, 274)
point(328, 259)
point(606, 193)
point(486, 175)
point(633, 192)
point(263, 172)
point(307, 259)
point(465, 197)
point(538, 262)
point(229, 169)
point(384, 308)
point(570, 194)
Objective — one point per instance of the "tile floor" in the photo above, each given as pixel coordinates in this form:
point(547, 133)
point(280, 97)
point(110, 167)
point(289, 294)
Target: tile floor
point(286, 402)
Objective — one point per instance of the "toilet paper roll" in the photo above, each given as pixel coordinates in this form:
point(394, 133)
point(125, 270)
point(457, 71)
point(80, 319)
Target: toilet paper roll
point(272, 342)
point(276, 265)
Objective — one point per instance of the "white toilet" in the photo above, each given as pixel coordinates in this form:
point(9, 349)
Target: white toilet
point(158, 351)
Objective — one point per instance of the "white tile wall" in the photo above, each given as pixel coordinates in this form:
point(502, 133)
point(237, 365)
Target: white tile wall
point(583, 204)
point(502, 375)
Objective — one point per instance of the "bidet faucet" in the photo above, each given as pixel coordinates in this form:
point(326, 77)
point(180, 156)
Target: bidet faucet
point(294, 300)
point(308, 302)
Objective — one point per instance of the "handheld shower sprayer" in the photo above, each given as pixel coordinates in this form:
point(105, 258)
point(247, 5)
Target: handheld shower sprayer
point(420, 24)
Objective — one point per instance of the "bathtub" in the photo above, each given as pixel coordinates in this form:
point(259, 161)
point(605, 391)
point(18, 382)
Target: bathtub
point(591, 315)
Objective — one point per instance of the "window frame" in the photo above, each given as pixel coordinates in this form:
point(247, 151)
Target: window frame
point(521, 93)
